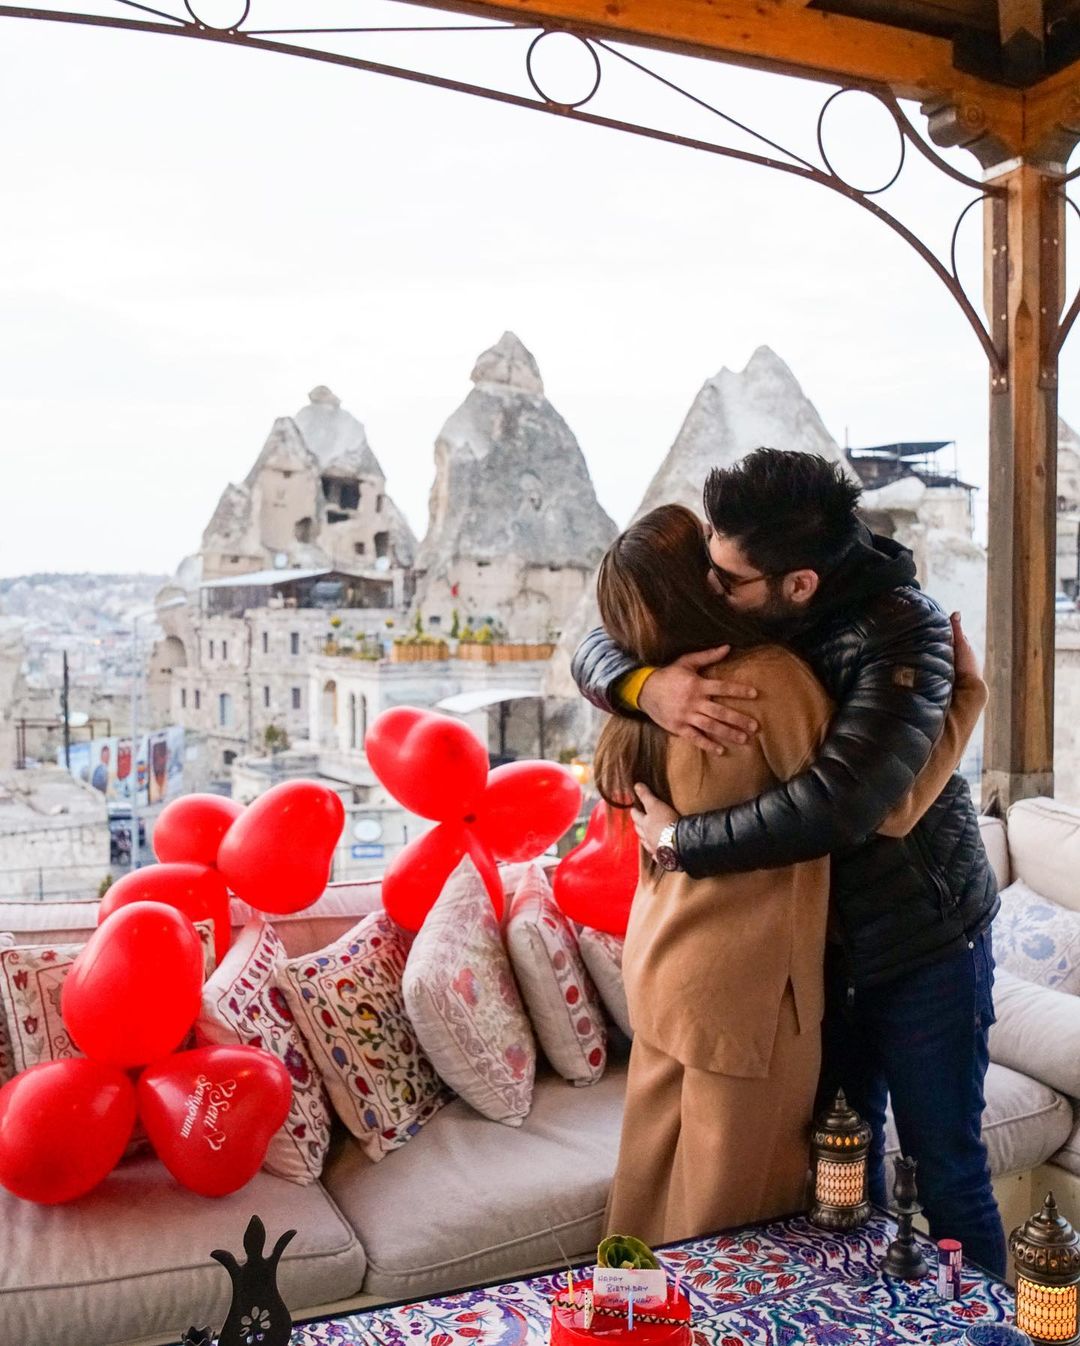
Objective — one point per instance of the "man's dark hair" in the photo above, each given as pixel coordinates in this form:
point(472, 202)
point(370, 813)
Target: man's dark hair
point(786, 510)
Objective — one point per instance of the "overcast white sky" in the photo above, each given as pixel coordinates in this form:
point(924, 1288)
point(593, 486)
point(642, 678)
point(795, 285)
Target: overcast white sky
point(192, 237)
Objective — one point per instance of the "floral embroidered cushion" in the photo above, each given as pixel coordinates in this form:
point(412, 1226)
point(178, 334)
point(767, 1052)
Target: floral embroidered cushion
point(1037, 939)
point(7, 1062)
point(242, 1003)
point(31, 979)
point(347, 1002)
point(464, 1003)
point(559, 994)
point(602, 955)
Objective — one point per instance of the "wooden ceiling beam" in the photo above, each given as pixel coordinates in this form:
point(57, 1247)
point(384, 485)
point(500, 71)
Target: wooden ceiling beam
point(781, 36)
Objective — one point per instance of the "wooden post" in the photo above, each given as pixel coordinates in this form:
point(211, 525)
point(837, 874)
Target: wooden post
point(1025, 267)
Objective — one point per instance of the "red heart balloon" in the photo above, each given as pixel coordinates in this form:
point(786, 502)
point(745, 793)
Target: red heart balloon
point(278, 854)
point(210, 1114)
point(190, 829)
point(133, 992)
point(196, 890)
point(418, 873)
point(526, 807)
point(595, 883)
point(435, 766)
point(63, 1128)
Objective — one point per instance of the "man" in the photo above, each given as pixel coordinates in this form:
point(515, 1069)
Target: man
point(909, 968)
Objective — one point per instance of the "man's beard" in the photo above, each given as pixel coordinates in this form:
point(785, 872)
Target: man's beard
point(778, 618)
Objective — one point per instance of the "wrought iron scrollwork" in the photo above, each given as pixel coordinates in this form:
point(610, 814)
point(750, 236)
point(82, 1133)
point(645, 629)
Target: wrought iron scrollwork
point(767, 153)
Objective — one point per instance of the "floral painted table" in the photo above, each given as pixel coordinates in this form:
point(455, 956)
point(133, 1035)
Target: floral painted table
point(780, 1284)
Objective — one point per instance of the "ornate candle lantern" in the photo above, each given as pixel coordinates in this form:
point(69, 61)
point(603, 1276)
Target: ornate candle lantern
point(1047, 1255)
point(838, 1149)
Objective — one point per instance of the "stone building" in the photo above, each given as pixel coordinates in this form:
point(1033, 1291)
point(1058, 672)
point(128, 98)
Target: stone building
point(54, 835)
point(308, 548)
point(1068, 510)
point(515, 530)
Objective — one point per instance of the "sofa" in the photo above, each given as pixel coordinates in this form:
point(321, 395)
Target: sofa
point(468, 1200)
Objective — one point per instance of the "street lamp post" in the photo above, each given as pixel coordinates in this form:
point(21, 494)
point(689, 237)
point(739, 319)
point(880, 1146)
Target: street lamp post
point(135, 675)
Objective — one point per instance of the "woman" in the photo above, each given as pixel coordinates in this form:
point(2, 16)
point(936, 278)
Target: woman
point(723, 975)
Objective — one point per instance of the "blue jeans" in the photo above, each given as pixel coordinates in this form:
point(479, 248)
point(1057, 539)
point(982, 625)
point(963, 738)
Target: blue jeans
point(921, 1040)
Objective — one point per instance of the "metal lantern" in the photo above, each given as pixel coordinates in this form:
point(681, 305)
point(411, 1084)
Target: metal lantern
point(1047, 1255)
point(839, 1149)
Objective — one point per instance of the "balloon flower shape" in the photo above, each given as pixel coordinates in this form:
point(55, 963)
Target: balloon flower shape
point(595, 882)
point(437, 767)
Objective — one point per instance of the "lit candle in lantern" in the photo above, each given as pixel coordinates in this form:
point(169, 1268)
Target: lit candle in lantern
point(1047, 1254)
point(838, 1150)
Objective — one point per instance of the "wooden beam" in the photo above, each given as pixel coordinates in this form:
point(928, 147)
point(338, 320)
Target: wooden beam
point(1025, 245)
point(781, 36)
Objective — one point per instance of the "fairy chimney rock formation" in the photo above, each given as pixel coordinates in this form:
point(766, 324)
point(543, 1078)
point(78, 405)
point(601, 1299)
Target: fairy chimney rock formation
point(515, 530)
point(315, 496)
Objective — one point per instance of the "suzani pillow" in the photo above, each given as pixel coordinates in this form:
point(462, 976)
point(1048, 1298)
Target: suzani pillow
point(1038, 940)
point(347, 1002)
point(31, 979)
point(463, 1000)
point(241, 1003)
point(602, 955)
point(559, 994)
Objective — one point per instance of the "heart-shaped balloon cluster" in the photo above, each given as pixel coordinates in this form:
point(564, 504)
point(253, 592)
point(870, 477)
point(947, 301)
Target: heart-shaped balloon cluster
point(437, 767)
point(594, 883)
point(132, 996)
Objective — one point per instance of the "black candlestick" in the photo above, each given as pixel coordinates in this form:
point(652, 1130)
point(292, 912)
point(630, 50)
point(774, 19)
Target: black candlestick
point(903, 1259)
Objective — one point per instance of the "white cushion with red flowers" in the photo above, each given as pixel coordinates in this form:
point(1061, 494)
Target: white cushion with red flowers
point(464, 1003)
point(242, 1003)
point(347, 1002)
point(31, 979)
point(558, 992)
point(602, 955)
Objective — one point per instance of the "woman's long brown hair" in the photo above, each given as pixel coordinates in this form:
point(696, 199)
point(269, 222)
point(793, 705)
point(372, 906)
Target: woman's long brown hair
point(655, 602)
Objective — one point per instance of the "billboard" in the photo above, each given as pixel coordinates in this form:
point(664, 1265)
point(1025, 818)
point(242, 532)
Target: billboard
point(109, 765)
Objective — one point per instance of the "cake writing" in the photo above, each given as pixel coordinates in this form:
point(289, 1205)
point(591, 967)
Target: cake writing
point(216, 1098)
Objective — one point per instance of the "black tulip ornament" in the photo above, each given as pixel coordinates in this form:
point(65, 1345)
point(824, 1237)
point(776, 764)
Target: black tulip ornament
point(257, 1316)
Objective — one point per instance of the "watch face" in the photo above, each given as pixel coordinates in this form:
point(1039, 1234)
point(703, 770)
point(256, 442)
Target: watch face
point(666, 857)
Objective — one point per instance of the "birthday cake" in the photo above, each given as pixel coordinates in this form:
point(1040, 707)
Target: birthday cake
point(628, 1299)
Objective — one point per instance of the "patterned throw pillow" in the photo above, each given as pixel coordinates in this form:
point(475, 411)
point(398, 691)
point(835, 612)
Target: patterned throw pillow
point(241, 1003)
point(7, 1063)
point(347, 1003)
point(602, 955)
point(558, 992)
point(464, 1003)
point(1038, 940)
point(31, 979)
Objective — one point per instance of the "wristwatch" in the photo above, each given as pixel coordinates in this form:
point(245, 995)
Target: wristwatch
point(666, 854)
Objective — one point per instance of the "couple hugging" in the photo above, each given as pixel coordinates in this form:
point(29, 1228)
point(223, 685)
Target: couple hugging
point(814, 907)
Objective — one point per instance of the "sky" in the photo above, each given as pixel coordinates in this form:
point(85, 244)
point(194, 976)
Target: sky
point(194, 236)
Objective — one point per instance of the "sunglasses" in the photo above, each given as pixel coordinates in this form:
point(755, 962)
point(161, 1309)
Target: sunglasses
point(729, 582)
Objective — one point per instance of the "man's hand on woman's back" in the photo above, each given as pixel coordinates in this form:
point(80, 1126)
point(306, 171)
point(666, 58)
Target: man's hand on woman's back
point(681, 700)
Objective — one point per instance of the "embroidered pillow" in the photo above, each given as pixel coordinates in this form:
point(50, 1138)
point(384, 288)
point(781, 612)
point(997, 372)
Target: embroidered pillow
point(347, 1003)
point(464, 1003)
point(7, 1064)
point(31, 979)
point(602, 955)
point(1036, 939)
point(558, 992)
point(241, 1003)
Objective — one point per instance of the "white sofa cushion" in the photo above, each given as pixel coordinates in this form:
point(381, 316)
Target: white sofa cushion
point(132, 1259)
point(1044, 849)
point(996, 841)
point(468, 1201)
point(1068, 1157)
point(1037, 1032)
point(1023, 1125)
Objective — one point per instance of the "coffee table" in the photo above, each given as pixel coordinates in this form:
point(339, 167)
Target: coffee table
point(778, 1284)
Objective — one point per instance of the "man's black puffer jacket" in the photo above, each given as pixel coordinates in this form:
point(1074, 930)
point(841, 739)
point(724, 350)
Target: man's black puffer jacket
point(883, 651)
